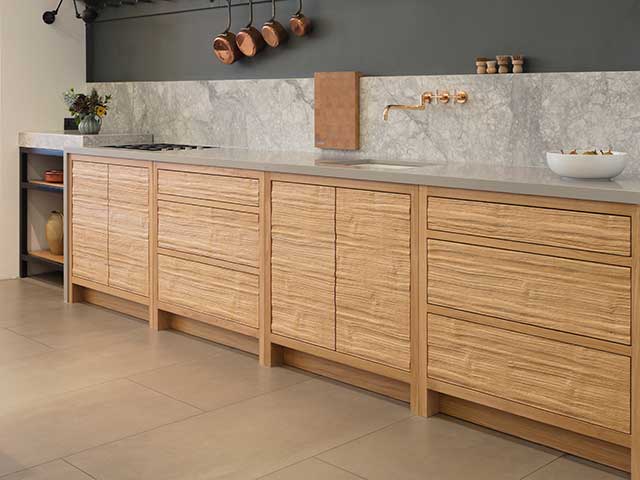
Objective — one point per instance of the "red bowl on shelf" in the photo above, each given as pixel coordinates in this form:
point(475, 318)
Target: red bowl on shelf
point(54, 176)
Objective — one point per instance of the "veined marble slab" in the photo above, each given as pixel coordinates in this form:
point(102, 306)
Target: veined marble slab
point(509, 120)
point(61, 141)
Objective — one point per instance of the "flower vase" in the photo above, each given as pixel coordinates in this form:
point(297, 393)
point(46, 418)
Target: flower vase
point(54, 232)
point(90, 125)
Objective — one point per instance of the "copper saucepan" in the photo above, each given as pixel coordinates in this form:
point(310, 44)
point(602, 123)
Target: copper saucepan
point(224, 45)
point(249, 40)
point(272, 31)
point(299, 24)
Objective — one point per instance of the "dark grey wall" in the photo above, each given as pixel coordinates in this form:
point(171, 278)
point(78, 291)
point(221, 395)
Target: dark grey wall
point(377, 37)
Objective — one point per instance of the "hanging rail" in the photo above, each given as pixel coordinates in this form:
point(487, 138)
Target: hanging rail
point(128, 3)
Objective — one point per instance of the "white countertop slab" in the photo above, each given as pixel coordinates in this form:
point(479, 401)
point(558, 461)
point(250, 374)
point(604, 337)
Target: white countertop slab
point(474, 176)
point(60, 140)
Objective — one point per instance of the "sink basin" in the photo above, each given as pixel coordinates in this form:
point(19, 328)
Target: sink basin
point(368, 164)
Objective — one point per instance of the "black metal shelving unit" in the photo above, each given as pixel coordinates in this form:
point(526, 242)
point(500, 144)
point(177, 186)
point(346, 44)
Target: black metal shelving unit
point(56, 262)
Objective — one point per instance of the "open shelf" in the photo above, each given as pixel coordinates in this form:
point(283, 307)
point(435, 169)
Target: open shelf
point(42, 185)
point(47, 256)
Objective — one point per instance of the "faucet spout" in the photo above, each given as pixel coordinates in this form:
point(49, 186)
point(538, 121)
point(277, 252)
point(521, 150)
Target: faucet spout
point(425, 99)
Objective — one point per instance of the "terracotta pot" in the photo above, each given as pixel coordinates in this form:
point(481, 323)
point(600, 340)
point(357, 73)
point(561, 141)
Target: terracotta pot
point(54, 231)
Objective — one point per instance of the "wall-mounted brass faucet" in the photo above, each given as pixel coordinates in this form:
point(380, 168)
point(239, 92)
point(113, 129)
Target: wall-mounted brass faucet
point(426, 98)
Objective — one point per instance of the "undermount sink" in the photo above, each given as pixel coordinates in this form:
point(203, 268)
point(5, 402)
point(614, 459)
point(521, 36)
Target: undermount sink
point(369, 164)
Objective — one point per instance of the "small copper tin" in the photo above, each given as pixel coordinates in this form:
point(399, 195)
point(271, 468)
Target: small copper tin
point(299, 24)
point(54, 176)
point(249, 39)
point(272, 31)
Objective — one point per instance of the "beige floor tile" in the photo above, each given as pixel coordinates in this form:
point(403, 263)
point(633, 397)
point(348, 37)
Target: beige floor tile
point(571, 468)
point(312, 469)
point(62, 371)
point(71, 423)
point(77, 324)
point(15, 347)
point(219, 381)
point(56, 470)
point(439, 448)
point(248, 439)
point(26, 308)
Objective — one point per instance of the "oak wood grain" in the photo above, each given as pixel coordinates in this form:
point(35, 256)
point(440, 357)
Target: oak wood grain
point(373, 276)
point(578, 297)
point(217, 188)
point(129, 184)
point(229, 294)
point(89, 221)
point(303, 262)
point(223, 234)
point(545, 226)
point(553, 376)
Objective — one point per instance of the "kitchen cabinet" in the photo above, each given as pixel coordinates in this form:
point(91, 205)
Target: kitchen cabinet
point(110, 225)
point(303, 262)
point(209, 239)
point(341, 270)
point(373, 276)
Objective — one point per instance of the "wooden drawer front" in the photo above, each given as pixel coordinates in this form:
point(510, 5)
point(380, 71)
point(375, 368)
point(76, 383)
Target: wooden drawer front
point(129, 248)
point(303, 263)
point(219, 188)
point(223, 293)
point(579, 297)
point(590, 385)
point(129, 185)
point(90, 180)
point(227, 235)
point(373, 276)
point(89, 258)
point(545, 226)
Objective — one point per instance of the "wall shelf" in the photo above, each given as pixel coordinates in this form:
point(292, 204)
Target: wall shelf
point(47, 256)
point(42, 185)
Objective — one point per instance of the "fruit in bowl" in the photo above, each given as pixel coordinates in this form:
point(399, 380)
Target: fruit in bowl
point(587, 164)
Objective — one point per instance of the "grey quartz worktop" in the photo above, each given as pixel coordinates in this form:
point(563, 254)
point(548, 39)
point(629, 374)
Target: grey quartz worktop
point(61, 140)
point(475, 176)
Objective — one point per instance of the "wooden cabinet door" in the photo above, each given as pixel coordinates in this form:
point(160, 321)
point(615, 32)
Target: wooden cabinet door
point(89, 220)
point(303, 262)
point(129, 228)
point(373, 275)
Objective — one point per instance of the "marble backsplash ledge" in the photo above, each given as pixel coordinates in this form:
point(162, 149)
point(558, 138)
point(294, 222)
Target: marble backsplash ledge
point(509, 120)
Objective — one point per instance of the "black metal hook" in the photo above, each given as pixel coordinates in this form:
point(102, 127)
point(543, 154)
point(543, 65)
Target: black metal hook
point(250, 14)
point(299, 8)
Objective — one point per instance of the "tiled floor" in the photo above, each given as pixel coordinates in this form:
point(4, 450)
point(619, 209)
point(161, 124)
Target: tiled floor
point(87, 393)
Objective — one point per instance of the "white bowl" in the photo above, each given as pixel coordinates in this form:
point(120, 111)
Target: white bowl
point(587, 166)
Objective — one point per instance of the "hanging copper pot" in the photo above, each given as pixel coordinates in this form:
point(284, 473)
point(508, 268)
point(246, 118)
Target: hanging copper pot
point(224, 45)
point(272, 31)
point(299, 24)
point(249, 39)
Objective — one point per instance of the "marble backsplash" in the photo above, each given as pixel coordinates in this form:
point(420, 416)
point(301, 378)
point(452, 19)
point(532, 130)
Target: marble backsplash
point(510, 120)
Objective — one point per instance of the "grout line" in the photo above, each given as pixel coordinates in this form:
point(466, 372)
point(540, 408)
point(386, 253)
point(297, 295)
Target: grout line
point(9, 329)
point(165, 395)
point(78, 468)
point(340, 468)
point(528, 475)
point(373, 432)
point(110, 442)
point(170, 423)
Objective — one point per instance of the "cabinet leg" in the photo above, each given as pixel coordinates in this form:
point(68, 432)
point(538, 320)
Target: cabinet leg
point(159, 320)
point(75, 294)
point(426, 403)
point(270, 355)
